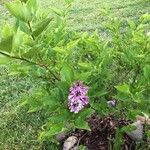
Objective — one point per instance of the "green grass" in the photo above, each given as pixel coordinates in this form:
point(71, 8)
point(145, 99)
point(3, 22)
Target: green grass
point(19, 129)
point(86, 15)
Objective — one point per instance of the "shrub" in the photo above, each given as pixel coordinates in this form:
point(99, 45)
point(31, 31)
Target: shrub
point(115, 68)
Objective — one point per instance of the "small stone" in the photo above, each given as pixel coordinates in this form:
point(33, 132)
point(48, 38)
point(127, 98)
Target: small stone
point(137, 134)
point(69, 144)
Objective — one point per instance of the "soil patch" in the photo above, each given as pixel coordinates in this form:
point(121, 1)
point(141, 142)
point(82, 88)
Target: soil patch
point(103, 134)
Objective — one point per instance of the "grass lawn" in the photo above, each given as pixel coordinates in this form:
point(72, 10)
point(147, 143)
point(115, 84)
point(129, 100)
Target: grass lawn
point(19, 130)
point(86, 15)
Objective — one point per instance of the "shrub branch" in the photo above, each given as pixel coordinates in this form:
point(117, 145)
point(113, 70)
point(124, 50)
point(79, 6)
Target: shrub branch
point(31, 62)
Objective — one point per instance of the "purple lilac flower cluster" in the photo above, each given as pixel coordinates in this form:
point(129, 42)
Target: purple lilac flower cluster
point(77, 98)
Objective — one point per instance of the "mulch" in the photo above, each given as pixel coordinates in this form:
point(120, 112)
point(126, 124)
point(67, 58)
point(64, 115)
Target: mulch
point(103, 133)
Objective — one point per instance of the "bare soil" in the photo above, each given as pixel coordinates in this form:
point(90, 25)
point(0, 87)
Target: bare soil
point(103, 134)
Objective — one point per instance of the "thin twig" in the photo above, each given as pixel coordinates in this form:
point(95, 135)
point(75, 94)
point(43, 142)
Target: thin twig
point(31, 62)
point(48, 68)
point(18, 58)
point(81, 138)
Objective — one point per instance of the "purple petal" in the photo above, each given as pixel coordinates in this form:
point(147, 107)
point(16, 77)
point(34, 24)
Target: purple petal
point(77, 98)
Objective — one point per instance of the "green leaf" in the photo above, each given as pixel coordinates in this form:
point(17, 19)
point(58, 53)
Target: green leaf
point(145, 17)
point(123, 88)
point(59, 50)
point(19, 10)
point(72, 44)
point(32, 5)
point(6, 44)
point(51, 102)
point(148, 134)
point(57, 11)
point(81, 124)
point(147, 72)
point(132, 24)
point(30, 53)
point(3, 59)
point(67, 73)
point(7, 31)
point(35, 101)
point(83, 76)
point(53, 130)
point(69, 1)
point(63, 89)
point(81, 147)
point(81, 117)
point(128, 128)
point(84, 114)
point(118, 141)
point(22, 26)
point(17, 40)
point(101, 93)
point(85, 65)
point(35, 104)
point(40, 27)
point(61, 116)
point(24, 1)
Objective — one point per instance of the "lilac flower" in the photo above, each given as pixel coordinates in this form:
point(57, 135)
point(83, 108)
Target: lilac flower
point(78, 89)
point(75, 106)
point(77, 98)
